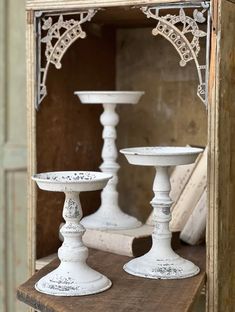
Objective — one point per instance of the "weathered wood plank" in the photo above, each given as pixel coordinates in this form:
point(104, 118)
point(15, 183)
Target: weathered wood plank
point(128, 293)
point(2, 139)
point(16, 237)
point(31, 139)
point(221, 171)
point(14, 157)
point(76, 4)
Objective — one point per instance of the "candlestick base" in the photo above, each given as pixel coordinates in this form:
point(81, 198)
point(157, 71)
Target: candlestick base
point(117, 220)
point(151, 267)
point(78, 281)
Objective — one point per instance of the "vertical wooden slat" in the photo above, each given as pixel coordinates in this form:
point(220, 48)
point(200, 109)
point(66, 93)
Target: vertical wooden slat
point(9, 180)
point(212, 221)
point(19, 235)
point(221, 230)
point(2, 139)
point(31, 138)
point(16, 69)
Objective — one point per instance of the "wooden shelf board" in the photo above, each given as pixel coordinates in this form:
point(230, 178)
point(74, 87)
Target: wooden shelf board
point(128, 293)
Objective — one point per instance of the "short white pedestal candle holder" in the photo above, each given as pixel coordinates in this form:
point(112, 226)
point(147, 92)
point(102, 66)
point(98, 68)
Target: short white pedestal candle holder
point(109, 216)
point(161, 262)
point(73, 277)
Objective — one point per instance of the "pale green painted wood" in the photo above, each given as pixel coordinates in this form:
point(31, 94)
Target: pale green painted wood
point(13, 176)
point(16, 69)
point(14, 157)
point(16, 183)
point(2, 136)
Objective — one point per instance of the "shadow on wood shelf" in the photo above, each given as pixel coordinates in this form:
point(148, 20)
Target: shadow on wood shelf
point(128, 293)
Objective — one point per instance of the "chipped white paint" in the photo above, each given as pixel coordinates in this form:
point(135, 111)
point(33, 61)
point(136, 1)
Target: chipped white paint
point(73, 277)
point(109, 215)
point(161, 262)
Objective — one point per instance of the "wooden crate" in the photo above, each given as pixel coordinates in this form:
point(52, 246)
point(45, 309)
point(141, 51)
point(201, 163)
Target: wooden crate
point(118, 35)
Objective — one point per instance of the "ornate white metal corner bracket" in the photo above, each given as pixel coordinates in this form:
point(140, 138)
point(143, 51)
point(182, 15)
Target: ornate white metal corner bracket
point(59, 36)
point(184, 34)
point(180, 29)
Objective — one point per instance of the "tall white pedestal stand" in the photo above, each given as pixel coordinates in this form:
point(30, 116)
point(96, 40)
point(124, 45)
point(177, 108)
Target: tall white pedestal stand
point(109, 216)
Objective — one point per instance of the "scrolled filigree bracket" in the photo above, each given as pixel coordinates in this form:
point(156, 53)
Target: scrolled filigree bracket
point(183, 32)
point(57, 36)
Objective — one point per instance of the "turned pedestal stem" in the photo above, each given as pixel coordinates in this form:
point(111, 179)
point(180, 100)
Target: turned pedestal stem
point(161, 204)
point(72, 249)
point(109, 196)
point(109, 214)
point(161, 261)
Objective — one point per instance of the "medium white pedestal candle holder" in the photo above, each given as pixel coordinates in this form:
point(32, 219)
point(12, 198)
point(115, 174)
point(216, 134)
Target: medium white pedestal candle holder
point(73, 277)
point(109, 215)
point(161, 262)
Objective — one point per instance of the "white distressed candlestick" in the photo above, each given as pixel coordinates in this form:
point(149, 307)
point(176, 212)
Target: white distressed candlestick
point(73, 277)
point(109, 215)
point(161, 262)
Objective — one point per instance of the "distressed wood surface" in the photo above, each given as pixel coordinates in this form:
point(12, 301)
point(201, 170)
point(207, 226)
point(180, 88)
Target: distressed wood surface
point(31, 140)
point(221, 174)
point(128, 293)
point(76, 4)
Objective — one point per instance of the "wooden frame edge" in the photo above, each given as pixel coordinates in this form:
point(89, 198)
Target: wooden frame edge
point(75, 4)
point(31, 139)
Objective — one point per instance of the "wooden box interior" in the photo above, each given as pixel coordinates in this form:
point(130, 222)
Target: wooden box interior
point(119, 53)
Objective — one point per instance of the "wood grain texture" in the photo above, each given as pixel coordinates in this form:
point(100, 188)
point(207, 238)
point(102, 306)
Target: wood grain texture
point(76, 4)
point(128, 293)
point(3, 212)
point(31, 140)
point(221, 229)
